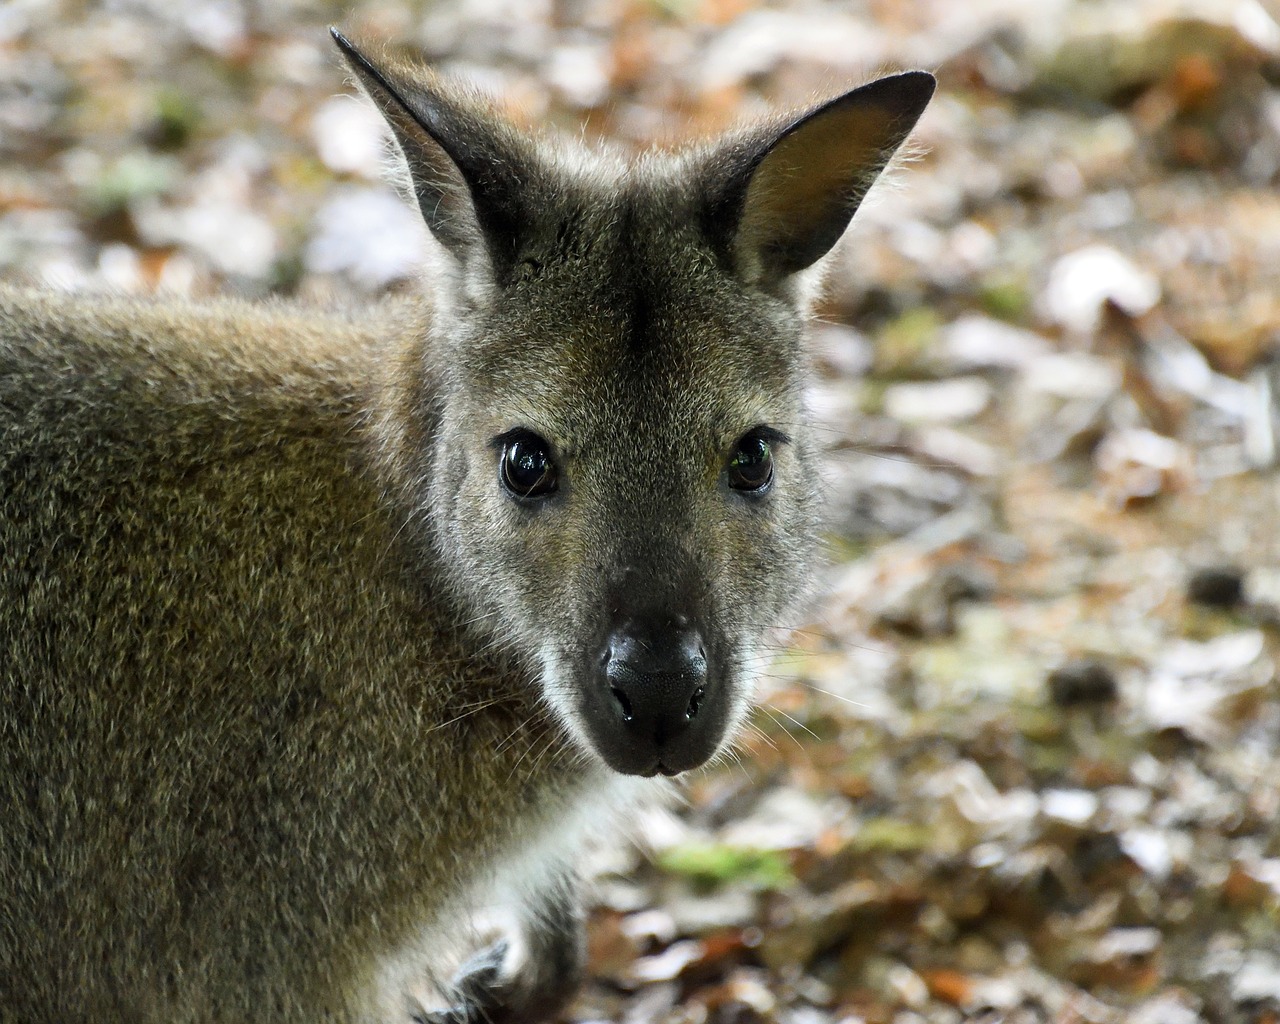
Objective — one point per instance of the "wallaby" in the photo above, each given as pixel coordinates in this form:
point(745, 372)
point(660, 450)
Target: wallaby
point(319, 631)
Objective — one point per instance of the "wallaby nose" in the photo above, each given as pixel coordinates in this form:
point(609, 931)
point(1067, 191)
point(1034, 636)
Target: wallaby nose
point(656, 673)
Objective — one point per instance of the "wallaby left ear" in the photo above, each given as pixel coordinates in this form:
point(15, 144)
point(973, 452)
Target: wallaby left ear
point(790, 193)
point(471, 172)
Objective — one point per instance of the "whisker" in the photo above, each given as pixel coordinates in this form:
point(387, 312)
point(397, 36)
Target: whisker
point(469, 710)
point(830, 693)
point(785, 731)
point(760, 734)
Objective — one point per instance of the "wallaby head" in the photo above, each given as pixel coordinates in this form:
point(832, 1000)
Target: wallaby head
point(613, 460)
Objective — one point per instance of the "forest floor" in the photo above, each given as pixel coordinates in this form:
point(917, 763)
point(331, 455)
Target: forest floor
point(1021, 760)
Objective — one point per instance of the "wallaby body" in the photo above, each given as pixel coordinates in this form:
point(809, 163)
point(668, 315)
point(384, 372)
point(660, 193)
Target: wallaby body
point(317, 630)
point(245, 764)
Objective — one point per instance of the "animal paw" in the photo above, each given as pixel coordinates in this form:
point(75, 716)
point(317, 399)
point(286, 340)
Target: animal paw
point(481, 991)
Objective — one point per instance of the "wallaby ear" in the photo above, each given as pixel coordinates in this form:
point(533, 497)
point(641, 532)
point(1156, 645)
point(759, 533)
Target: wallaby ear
point(467, 167)
point(791, 192)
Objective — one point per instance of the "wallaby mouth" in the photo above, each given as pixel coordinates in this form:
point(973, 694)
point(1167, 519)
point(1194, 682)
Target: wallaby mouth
point(653, 704)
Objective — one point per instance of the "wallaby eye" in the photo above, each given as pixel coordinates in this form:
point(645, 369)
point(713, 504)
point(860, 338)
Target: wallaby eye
point(751, 465)
point(527, 469)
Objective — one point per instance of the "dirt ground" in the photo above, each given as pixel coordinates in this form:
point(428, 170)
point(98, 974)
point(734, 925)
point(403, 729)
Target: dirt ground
point(1019, 760)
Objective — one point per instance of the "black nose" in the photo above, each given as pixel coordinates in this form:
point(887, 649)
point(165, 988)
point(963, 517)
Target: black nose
point(656, 673)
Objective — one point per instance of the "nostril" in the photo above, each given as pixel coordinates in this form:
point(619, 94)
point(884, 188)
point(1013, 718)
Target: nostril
point(622, 703)
point(605, 655)
point(695, 702)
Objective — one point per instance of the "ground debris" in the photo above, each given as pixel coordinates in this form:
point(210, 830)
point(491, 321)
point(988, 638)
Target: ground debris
point(1020, 763)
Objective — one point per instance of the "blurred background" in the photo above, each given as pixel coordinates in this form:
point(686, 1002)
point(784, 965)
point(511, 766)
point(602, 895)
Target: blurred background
point(1021, 761)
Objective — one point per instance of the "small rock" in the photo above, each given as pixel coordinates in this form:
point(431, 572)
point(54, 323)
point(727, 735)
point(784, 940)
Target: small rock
point(1219, 586)
point(1137, 465)
point(579, 72)
point(348, 135)
point(1084, 681)
point(667, 965)
point(1081, 282)
point(944, 401)
point(230, 236)
point(1167, 1008)
point(1127, 942)
point(1072, 375)
point(1258, 979)
point(976, 342)
point(896, 981)
point(368, 234)
point(1150, 850)
point(842, 351)
point(1070, 806)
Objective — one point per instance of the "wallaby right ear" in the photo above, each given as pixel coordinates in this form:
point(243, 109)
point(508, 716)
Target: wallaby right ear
point(785, 194)
point(468, 170)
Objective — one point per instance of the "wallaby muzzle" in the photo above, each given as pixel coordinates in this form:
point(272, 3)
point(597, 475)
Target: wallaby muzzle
point(653, 707)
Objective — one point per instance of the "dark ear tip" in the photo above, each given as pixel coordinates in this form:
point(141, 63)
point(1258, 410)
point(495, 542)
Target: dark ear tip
point(926, 79)
point(355, 56)
point(914, 88)
point(926, 82)
point(349, 49)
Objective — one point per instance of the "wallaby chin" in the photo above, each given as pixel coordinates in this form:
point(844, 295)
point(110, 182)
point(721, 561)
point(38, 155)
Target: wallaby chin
point(317, 628)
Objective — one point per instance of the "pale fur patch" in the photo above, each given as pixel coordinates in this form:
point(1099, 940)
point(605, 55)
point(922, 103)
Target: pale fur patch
point(500, 898)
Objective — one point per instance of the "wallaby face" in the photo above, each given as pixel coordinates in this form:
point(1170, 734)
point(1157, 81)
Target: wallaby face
point(621, 477)
point(628, 491)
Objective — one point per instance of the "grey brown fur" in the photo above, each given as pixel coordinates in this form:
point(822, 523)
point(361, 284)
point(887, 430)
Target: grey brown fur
point(289, 682)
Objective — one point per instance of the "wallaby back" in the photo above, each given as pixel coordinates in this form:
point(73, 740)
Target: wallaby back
point(318, 627)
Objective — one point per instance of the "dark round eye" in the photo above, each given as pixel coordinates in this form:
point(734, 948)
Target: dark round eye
point(751, 465)
point(527, 470)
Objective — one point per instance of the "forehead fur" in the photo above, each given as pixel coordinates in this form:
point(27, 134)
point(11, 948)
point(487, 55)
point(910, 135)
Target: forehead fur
point(618, 292)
